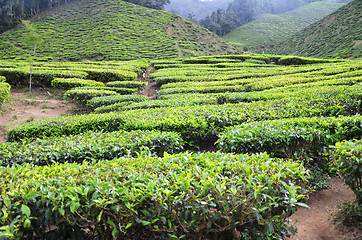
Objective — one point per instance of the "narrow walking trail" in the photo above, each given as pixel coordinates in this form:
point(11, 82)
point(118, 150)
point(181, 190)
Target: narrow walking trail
point(151, 89)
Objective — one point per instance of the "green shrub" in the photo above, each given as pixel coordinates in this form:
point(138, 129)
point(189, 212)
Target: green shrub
point(89, 146)
point(4, 92)
point(107, 75)
point(82, 95)
point(112, 108)
point(127, 84)
point(110, 100)
point(294, 60)
point(2, 79)
point(40, 77)
point(296, 137)
point(347, 158)
point(248, 195)
point(68, 83)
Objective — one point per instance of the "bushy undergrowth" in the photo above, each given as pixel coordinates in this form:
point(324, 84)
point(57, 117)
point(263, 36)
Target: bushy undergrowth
point(247, 195)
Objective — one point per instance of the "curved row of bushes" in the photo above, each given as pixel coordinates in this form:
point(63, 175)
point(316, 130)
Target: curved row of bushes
point(89, 146)
point(110, 100)
point(174, 196)
point(68, 83)
point(195, 123)
point(296, 137)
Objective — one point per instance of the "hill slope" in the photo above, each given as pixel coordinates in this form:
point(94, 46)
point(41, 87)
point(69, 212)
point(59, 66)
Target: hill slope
point(112, 30)
point(337, 35)
point(271, 28)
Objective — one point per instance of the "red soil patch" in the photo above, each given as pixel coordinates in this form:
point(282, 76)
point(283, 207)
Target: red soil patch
point(23, 108)
point(315, 223)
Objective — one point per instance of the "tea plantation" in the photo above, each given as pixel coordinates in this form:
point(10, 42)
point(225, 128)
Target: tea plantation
point(111, 30)
point(226, 150)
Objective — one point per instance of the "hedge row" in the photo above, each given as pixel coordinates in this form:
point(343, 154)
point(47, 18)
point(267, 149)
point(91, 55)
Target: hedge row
point(195, 123)
point(89, 146)
point(4, 92)
point(294, 137)
point(40, 77)
point(82, 95)
point(110, 100)
point(112, 108)
point(174, 196)
point(108, 75)
point(68, 83)
point(127, 84)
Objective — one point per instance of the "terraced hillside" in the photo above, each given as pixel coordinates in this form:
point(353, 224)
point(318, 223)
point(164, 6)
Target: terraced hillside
point(337, 35)
point(272, 28)
point(111, 30)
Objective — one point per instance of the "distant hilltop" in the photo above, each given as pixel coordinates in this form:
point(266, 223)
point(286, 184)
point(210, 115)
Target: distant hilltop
point(100, 30)
point(339, 35)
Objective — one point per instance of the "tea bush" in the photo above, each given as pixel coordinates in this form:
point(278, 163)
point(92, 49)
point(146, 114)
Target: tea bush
point(127, 84)
point(296, 137)
point(68, 83)
point(110, 100)
point(248, 195)
point(347, 157)
point(89, 146)
point(4, 92)
point(82, 95)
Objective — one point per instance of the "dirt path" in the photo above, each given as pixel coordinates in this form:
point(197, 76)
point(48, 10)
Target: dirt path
point(151, 90)
point(315, 223)
point(23, 108)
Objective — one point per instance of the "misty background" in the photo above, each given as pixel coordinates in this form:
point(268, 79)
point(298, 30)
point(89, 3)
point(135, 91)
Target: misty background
point(223, 16)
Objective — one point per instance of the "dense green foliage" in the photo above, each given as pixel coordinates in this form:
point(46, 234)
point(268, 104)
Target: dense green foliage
point(249, 195)
point(12, 11)
point(127, 84)
point(82, 95)
point(109, 100)
point(290, 107)
point(4, 92)
point(347, 157)
point(68, 83)
point(269, 29)
point(17, 72)
point(117, 30)
point(296, 137)
point(337, 35)
point(89, 146)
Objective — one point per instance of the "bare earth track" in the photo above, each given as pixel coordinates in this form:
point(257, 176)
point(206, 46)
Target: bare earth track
point(23, 108)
